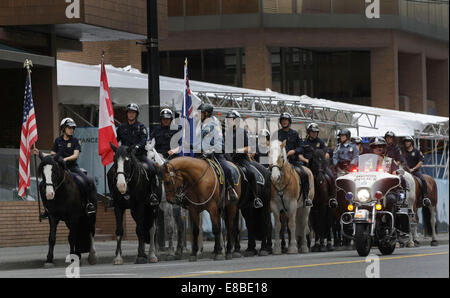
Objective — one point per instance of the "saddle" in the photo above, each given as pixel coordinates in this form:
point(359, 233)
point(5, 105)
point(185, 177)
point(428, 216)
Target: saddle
point(217, 169)
point(82, 184)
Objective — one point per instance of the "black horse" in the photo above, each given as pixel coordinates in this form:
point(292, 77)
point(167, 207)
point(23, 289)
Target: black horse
point(63, 198)
point(322, 214)
point(129, 183)
point(257, 220)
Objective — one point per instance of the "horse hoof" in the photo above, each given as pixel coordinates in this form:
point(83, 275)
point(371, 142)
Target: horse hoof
point(338, 248)
point(49, 265)
point(219, 257)
point(397, 245)
point(263, 253)
point(292, 250)
point(276, 252)
point(141, 260)
point(303, 250)
point(229, 256)
point(250, 253)
point(170, 257)
point(192, 258)
point(410, 244)
point(118, 261)
point(416, 243)
point(153, 259)
point(92, 259)
point(330, 247)
point(315, 248)
point(348, 247)
point(434, 243)
point(237, 254)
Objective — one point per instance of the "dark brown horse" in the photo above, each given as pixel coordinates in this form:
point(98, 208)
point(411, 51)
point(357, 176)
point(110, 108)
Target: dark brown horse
point(193, 183)
point(428, 212)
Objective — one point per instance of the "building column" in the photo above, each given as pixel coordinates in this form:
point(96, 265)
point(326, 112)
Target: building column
point(412, 80)
point(258, 66)
point(437, 84)
point(384, 78)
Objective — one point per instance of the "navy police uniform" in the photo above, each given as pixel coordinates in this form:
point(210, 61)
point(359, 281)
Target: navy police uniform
point(162, 136)
point(393, 151)
point(345, 155)
point(412, 159)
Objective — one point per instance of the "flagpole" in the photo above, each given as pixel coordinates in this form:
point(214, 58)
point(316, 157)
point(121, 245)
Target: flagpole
point(28, 64)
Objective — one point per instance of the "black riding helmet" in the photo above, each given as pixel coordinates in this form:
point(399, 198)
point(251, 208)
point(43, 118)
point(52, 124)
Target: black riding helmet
point(285, 116)
point(133, 107)
point(312, 127)
point(166, 114)
point(207, 108)
point(408, 139)
point(345, 132)
point(389, 134)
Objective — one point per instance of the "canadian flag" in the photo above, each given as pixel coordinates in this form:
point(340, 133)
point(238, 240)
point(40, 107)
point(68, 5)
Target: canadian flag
point(106, 129)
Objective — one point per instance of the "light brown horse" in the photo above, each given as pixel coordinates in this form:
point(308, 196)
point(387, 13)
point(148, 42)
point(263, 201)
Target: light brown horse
point(429, 213)
point(286, 192)
point(193, 183)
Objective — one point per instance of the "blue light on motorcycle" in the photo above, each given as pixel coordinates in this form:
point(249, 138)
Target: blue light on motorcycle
point(349, 196)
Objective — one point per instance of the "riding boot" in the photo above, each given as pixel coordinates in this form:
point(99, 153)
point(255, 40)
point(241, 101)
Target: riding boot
point(305, 186)
point(44, 215)
point(231, 192)
point(332, 202)
point(153, 198)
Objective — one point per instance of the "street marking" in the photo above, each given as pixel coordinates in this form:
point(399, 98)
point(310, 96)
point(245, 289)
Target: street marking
point(303, 266)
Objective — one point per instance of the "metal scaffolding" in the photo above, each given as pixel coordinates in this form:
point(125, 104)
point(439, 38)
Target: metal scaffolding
point(437, 135)
point(270, 106)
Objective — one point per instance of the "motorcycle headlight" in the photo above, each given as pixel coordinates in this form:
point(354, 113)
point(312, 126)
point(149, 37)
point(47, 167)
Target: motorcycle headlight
point(363, 195)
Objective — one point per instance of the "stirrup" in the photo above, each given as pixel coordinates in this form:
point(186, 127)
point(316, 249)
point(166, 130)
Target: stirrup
point(90, 208)
point(232, 194)
point(257, 203)
point(426, 202)
point(43, 215)
point(332, 203)
point(308, 203)
point(153, 200)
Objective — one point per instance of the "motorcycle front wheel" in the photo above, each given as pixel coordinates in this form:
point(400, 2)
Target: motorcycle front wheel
point(363, 240)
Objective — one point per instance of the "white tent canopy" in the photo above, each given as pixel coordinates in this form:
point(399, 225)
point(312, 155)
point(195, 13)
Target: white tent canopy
point(79, 84)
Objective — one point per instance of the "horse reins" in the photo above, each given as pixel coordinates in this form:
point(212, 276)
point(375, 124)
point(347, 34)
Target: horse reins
point(180, 194)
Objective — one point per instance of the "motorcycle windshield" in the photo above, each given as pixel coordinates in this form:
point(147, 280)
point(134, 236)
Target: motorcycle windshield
point(369, 163)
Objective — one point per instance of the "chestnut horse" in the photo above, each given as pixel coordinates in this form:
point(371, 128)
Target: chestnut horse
point(286, 196)
point(193, 184)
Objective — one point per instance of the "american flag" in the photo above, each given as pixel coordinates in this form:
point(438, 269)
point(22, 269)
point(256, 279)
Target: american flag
point(28, 137)
point(187, 114)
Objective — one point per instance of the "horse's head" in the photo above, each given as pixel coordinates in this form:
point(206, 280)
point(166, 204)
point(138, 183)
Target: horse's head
point(173, 182)
point(277, 158)
point(153, 155)
point(123, 163)
point(318, 163)
point(51, 169)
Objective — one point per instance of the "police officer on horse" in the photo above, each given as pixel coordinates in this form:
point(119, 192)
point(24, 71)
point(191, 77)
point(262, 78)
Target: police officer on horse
point(392, 149)
point(163, 134)
point(414, 160)
point(294, 150)
point(134, 133)
point(69, 148)
point(346, 153)
point(240, 154)
point(212, 130)
point(311, 143)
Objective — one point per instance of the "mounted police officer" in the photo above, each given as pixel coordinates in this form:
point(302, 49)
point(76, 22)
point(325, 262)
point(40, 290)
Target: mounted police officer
point(294, 150)
point(163, 134)
point(414, 161)
point(259, 156)
point(311, 143)
point(240, 153)
point(362, 148)
point(69, 148)
point(211, 131)
point(346, 154)
point(393, 150)
point(134, 133)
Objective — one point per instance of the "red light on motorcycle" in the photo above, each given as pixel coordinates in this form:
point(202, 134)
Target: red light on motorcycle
point(355, 170)
point(378, 195)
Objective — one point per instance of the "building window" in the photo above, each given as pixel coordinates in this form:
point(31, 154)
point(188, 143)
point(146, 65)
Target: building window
point(219, 66)
point(335, 75)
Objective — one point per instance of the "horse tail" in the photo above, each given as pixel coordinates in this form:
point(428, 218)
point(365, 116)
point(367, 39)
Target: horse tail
point(426, 214)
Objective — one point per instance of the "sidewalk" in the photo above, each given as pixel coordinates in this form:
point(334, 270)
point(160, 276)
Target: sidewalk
point(30, 257)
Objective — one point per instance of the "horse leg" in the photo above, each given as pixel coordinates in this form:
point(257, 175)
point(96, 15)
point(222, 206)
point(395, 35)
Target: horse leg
point(216, 228)
point(251, 243)
point(51, 241)
point(276, 215)
point(283, 222)
point(180, 231)
point(433, 212)
point(118, 212)
point(138, 216)
point(169, 224)
point(92, 258)
point(292, 249)
point(302, 227)
point(194, 223)
point(315, 216)
point(237, 235)
point(152, 258)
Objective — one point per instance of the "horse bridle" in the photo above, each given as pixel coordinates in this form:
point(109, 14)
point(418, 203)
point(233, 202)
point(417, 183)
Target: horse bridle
point(60, 183)
point(181, 192)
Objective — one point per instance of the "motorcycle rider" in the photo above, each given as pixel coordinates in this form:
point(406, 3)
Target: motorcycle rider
point(393, 150)
point(414, 160)
point(294, 150)
point(240, 154)
point(212, 129)
point(311, 143)
point(134, 133)
point(362, 148)
point(346, 154)
point(69, 148)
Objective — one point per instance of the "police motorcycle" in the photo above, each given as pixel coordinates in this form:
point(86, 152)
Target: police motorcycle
point(368, 188)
